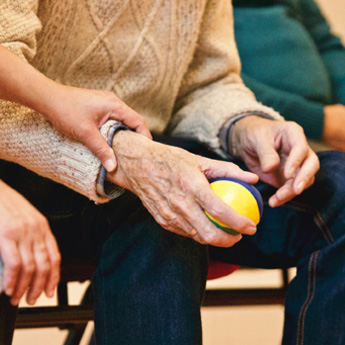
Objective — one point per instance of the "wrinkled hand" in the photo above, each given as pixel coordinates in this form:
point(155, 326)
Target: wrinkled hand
point(334, 123)
point(28, 249)
point(278, 152)
point(79, 113)
point(173, 186)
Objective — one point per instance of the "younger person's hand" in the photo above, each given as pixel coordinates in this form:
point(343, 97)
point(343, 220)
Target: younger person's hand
point(28, 249)
point(75, 112)
point(79, 113)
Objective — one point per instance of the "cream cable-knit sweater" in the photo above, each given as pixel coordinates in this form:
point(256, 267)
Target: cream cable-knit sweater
point(173, 61)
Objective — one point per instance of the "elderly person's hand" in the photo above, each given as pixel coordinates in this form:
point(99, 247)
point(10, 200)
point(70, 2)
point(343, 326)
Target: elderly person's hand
point(173, 185)
point(28, 248)
point(79, 113)
point(278, 152)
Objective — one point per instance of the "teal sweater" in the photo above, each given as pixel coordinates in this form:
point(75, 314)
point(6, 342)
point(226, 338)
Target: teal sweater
point(290, 59)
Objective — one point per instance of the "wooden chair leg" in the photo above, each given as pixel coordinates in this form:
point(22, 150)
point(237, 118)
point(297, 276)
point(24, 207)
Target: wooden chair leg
point(8, 315)
point(76, 332)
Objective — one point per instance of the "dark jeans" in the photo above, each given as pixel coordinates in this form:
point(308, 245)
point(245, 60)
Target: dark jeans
point(149, 283)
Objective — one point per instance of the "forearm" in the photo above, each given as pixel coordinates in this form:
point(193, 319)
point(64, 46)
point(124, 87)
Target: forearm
point(212, 90)
point(31, 141)
point(22, 83)
point(206, 110)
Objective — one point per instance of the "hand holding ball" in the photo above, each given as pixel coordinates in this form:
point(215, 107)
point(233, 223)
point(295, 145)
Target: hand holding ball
point(241, 197)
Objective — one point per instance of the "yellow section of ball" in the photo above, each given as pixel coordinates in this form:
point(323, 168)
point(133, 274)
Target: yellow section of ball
point(238, 198)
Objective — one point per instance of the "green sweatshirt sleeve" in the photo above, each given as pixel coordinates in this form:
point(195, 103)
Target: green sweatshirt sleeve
point(330, 46)
point(308, 114)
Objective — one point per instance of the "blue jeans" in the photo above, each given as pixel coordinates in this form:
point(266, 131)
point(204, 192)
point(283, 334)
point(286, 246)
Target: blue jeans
point(149, 283)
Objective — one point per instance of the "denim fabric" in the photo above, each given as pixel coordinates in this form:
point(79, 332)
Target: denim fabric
point(308, 233)
point(149, 283)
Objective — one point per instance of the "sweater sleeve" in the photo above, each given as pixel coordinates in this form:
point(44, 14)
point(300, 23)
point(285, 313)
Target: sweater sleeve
point(293, 107)
point(26, 137)
point(330, 46)
point(212, 90)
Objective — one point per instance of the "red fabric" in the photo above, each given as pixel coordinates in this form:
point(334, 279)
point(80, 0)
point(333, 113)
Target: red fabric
point(220, 269)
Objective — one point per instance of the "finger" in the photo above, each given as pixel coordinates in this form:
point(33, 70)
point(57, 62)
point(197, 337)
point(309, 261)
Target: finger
point(296, 157)
point(132, 119)
point(201, 229)
point(94, 140)
point(55, 261)
point(284, 194)
point(208, 233)
point(215, 169)
point(25, 274)
point(12, 262)
point(182, 217)
point(267, 154)
point(223, 213)
point(306, 173)
point(207, 200)
point(39, 278)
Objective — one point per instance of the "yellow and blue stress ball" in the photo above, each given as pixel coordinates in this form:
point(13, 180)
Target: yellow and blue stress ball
point(244, 198)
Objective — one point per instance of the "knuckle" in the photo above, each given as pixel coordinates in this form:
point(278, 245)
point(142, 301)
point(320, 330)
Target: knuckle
point(29, 267)
point(214, 211)
point(113, 97)
point(43, 221)
point(31, 224)
point(43, 268)
point(10, 231)
point(14, 265)
point(119, 106)
point(209, 237)
point(141, 120)
point(84, 131)
point(178, 203)
point(166, 214)
point(295, 127)
point(56, 259)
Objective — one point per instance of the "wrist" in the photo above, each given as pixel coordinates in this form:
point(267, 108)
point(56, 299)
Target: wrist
point(334, 118)
point(53, 97)
point(238, 130)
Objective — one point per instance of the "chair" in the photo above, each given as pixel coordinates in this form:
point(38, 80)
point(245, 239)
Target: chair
point(75, 318)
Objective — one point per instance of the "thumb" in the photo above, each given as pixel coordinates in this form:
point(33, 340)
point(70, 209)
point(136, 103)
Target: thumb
point(100, 148)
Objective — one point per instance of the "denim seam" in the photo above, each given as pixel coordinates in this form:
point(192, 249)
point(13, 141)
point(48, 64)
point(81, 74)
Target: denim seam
point(310, 296)
point(318, 220)
point(102, 302)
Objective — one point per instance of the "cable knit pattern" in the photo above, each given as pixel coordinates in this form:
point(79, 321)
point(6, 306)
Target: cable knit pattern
point(175, 62)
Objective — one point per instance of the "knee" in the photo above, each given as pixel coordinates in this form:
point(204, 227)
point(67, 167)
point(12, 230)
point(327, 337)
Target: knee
point(331, 176)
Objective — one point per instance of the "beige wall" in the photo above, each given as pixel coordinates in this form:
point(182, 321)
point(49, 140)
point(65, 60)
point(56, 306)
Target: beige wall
point(334, 10)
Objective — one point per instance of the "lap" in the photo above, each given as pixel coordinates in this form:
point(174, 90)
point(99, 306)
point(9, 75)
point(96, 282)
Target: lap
point(284, 234)
point(287, 234)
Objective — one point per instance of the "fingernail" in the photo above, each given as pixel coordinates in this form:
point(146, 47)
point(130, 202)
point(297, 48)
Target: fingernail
point(15, 302)
point(9, 291)
point(300, 187)
point(50, 293)
point(31, 301)
point(291, 172)
point(109, 165)
point(252, 229)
